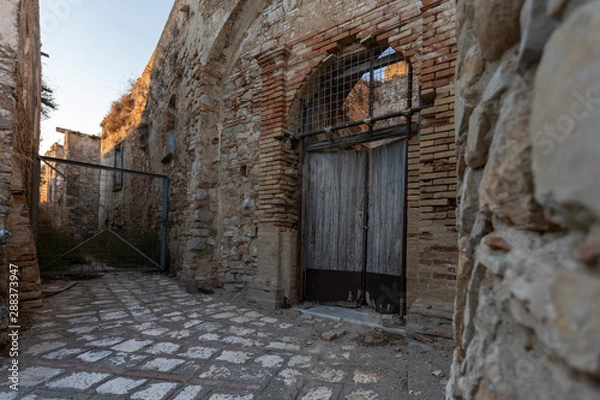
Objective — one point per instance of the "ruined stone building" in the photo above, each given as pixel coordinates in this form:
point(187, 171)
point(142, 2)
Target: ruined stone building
point(64, 204)
point(20, 99)
point(267, 116)
point(435, 159)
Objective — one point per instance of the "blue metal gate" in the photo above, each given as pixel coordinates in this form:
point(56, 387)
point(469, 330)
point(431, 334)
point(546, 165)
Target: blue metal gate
point(96, 218)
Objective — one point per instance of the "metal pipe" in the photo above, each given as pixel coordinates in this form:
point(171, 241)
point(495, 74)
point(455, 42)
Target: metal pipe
point(409, 111)
point(97, 166)
point(402, 306)
point(371, 89)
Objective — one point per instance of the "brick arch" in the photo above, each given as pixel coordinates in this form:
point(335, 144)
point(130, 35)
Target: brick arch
point(230, 37)
point(420, 34)
point(285, 71)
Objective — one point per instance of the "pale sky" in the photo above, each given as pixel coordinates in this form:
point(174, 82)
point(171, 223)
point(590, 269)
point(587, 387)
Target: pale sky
point(95, 48)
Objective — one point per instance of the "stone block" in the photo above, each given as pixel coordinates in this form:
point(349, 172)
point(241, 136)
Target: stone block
point(329, 336)
point(469, 199)
point(203, 233)
point(462, 113)
point(196, 244)
point(191, 286)
point(497, 26)
point(536, 27)
point(471, 67)
point(563, 306)
point(565, 119)
point(501, 80)
point(497, 243)
point(203, 216)
point(479, 138)
point(507, 188)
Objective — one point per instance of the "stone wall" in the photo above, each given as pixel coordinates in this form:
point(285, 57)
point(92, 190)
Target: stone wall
point(527, 115)
point(226, 80)
point(133, 205)
point(20, 87)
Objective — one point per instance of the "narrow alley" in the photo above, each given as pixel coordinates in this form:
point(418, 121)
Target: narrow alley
point(142, 336)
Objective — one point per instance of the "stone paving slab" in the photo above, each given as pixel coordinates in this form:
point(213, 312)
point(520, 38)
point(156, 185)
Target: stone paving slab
point(141, 336)
point(351, 316)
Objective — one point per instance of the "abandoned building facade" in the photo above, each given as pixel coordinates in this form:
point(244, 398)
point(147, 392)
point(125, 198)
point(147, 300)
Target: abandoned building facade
point(268, 116)
point(64, 205)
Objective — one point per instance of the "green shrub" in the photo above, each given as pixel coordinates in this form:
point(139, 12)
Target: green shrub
point(56, 249)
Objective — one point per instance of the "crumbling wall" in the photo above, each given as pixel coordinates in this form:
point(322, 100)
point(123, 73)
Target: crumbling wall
point(79, 208)
point(20, 88)
point(527, 115)
point(239, 176)
point(130, 204)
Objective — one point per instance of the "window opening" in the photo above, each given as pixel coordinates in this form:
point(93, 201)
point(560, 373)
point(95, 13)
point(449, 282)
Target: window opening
point(169, 130)
point(118, 163)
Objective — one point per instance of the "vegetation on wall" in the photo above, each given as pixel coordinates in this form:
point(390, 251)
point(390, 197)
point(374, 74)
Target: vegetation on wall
point(119, 114)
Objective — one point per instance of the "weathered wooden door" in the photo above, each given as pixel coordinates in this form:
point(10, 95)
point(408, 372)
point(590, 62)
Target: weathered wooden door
point(353, 218)
point(334, 225)
point(385, 239)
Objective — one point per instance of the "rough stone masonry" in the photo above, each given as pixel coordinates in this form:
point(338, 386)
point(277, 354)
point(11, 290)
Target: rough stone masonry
point(20, 89)
point(527, 116)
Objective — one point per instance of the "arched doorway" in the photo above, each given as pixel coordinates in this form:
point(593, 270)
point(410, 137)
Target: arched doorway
point(355, 122)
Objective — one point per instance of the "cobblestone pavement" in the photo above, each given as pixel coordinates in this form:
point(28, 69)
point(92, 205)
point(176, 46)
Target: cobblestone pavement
point(141, 336)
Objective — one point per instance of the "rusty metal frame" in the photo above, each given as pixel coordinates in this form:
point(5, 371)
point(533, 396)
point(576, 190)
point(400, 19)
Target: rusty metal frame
point(325, 89)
